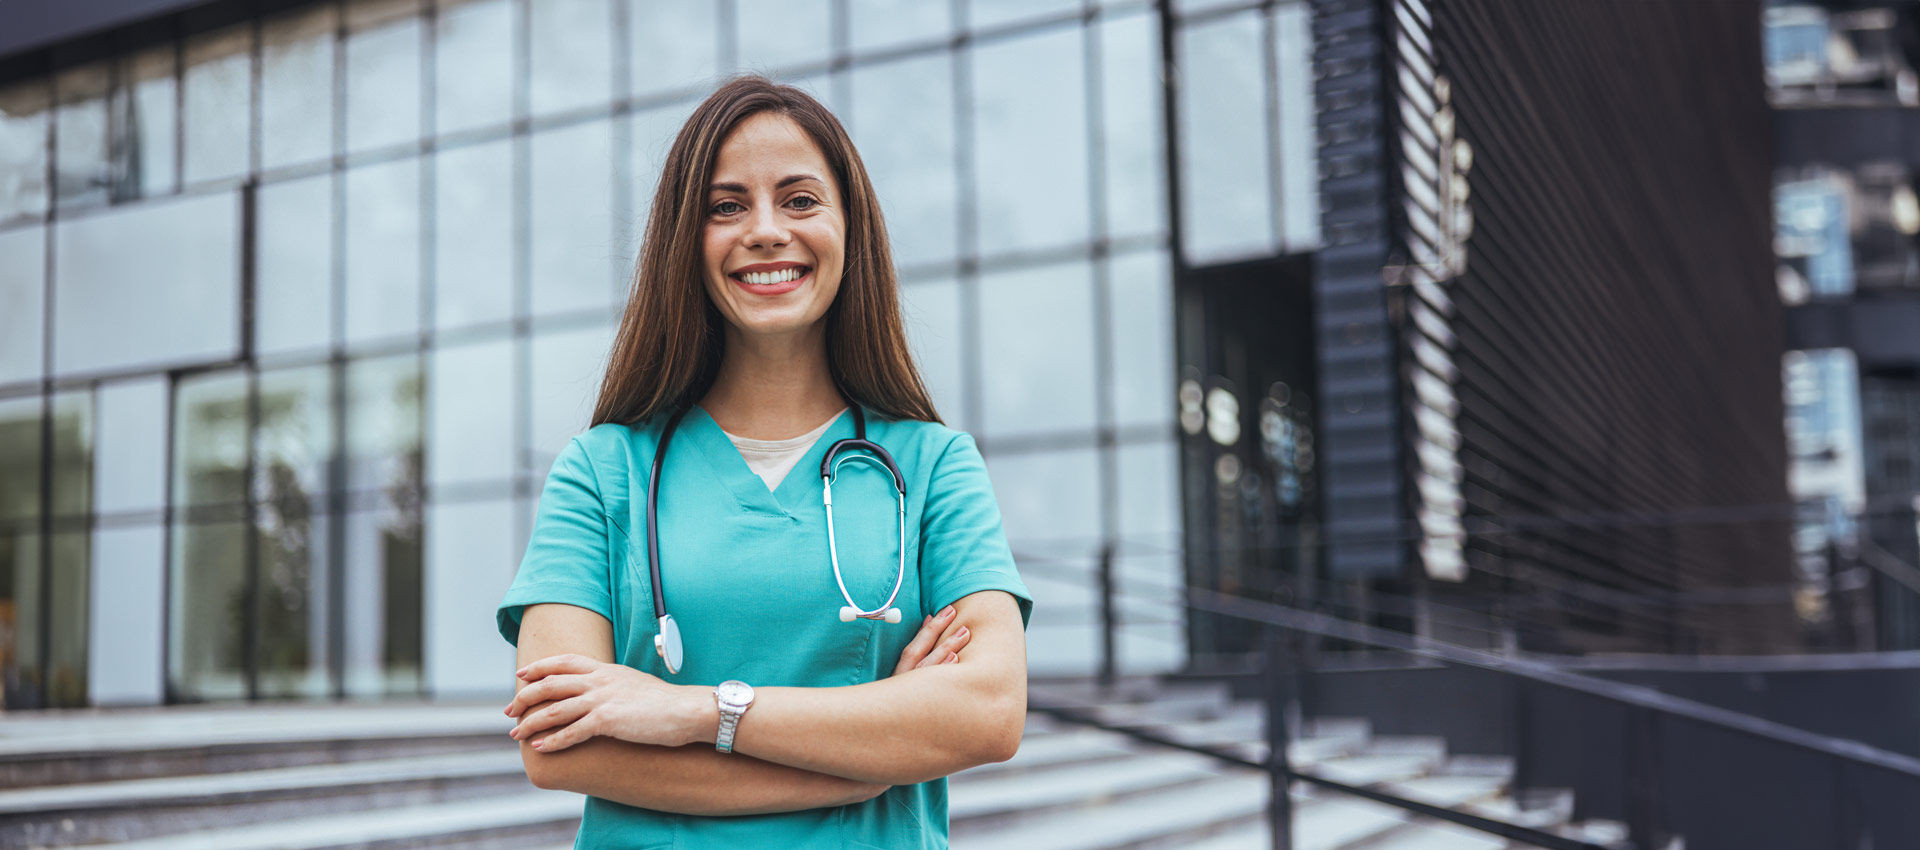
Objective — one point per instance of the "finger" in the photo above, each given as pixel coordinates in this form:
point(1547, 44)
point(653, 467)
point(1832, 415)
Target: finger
point(557, 714)
point(952, 645)
point(568, 735)
point(917, 649)
point(550, 689)
point(557, 664)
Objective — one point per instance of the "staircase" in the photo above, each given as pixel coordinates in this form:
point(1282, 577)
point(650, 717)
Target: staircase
point(445, 776)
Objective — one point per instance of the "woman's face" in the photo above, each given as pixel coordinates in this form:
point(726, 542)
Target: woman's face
point(776, 234)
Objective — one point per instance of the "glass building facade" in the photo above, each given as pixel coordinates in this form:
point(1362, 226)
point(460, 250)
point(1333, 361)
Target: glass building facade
point(297, 308)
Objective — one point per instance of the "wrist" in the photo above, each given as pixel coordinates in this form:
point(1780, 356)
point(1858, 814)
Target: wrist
point(702, 714)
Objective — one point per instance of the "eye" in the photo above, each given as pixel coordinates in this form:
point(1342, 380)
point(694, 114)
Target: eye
point(726, 208)
point(805, 203)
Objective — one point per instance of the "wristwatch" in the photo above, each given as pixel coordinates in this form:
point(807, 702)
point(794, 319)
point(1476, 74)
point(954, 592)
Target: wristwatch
point(735, 697)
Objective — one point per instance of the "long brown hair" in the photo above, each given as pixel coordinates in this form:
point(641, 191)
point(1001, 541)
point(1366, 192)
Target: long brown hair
point(671, 339)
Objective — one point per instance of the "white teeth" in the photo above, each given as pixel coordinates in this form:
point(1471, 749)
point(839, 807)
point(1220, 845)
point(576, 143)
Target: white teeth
point(766, 278)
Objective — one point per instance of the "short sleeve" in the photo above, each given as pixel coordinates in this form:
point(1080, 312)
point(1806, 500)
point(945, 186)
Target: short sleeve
point(963, 548)
point(566, 558)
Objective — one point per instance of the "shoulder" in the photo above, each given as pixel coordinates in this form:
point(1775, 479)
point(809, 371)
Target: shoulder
point(926, 442)
point(608, 454)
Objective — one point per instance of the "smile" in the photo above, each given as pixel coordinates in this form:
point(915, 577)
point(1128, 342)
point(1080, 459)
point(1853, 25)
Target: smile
point(769, 278)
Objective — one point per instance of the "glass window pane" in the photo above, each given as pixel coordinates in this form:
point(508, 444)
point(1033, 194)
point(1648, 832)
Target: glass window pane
point(472, 414)
point(1149, 496)
point(25, 120)
point(572, 55)
point(296, 87)
point(473, 84)
point(130, 470)
point(1135, 136)
point(652, 136)
point(20, 680)
point(574, 263)
point(931, 311)
point(23, 294)
point(294, 443)
point(383, 251)
point(219, 103)
point(473, 235)
point(1030, 141)
point(878, 23)
point(293, 256)
point(1049, 501)
point(1299, 158)
point(675, 45)
point(782, 33)
point(383, 601)
point(19, 459)
point(148, 284)
point(73, 454)
point(1222, 153)
point(207, 611)
point(903, 126)
point(67, 649)
point(210, 439)
point(82, 171)
point(1038, 375)
point(383, 78)
point(1141, 307)
point(126, 614)
point(471, 554)
point(567, 369)
point(989, 13)
point(384, 397)
point(148, 112)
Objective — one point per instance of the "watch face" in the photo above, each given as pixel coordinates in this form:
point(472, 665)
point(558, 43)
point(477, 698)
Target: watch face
point(734, 693)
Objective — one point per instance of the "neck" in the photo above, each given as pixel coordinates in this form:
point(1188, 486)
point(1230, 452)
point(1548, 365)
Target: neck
point(773, 387)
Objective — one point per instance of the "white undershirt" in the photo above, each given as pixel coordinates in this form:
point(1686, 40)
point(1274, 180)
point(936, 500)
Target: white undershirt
point(773, 459)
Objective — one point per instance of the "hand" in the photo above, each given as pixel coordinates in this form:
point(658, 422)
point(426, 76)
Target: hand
point(589, 697)
point(931, 647)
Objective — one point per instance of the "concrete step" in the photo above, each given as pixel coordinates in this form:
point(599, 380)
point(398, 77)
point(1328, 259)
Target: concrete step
point(1175, 817)
point(976, 803)
point(530, 818)
point(86, 813)
point(63, 747)
point(1058, 749)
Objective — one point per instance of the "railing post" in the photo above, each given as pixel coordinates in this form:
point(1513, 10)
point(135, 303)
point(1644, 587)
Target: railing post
point(1107, 661)
point(1278, 671)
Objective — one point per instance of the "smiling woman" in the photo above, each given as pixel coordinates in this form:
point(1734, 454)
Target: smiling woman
point(763, 326)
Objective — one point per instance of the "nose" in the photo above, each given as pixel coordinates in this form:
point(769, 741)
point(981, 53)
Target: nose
point(764, 228)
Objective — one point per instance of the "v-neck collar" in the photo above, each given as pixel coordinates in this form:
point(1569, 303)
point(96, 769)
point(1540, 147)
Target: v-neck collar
point(747, 487)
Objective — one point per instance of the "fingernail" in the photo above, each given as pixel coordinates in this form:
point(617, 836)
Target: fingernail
point(522, 672)
point(946, 612)
point(952, 657)
point(962, 633)
point(539, 744)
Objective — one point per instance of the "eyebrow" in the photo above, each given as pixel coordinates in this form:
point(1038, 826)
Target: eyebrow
point(741, 188)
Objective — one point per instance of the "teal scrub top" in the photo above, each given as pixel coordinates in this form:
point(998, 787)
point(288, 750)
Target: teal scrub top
point(746, 575)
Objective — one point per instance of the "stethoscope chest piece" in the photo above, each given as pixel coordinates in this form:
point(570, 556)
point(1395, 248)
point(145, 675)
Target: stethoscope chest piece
point(667, 643)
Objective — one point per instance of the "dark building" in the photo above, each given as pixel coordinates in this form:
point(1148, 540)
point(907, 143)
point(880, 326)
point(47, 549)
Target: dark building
point(1547, 342)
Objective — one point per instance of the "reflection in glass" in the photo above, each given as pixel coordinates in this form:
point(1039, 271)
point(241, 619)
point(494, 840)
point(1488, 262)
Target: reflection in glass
point(572, 55)
point(24, 123)
point(571, 212)
point(19, 459)
point(1135, 135)
point(73, 454)
point(473, 85)
point(146, 107)
point(23, 270)
point(207, 619)
point(291, 454)
point(383, 82)
point(81, 168)
point(473, 235)
point(383, 250)
point(911, 163)
point(1141, 308)
point(1041, 361)
point(783, 33)
point(210, 440)
point(219, 97)
point(294, 442)
point(1030, 151)
point(384, 460)
point(879, 23)
point(293, 256)
point(20, 681)
point(1226, 206)
point(931, 312)
point(1299, 157)
point(296, 87)
point(67, 644)
point(675, 47)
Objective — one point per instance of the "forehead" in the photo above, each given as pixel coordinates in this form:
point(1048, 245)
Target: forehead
point(768, 146)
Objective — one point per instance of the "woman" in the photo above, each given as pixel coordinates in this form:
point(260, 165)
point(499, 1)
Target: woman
point(763, 327)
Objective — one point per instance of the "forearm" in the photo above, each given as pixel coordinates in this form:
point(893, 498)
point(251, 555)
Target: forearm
point(691, 780)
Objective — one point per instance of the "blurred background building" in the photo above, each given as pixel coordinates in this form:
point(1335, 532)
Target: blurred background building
point(299, 299)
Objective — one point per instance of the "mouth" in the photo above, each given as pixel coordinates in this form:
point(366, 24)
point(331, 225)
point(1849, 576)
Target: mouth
point(771, 277)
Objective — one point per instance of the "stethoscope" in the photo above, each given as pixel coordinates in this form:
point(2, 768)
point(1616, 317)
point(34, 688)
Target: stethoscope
point(667, 642)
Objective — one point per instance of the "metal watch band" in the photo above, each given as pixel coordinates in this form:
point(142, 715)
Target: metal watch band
point(734, 698)
point(729, 721)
